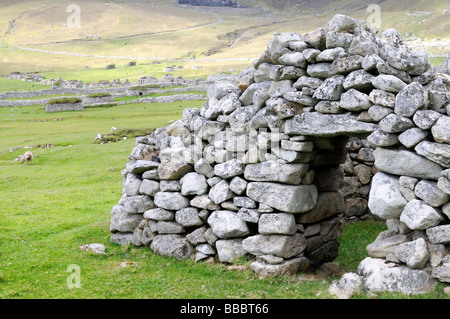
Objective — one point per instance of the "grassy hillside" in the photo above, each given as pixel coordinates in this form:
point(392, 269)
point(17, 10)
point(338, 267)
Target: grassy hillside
point(154, 29)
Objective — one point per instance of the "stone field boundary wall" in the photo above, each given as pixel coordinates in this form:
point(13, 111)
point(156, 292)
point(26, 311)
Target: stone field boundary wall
point(62, 107)
point(115, 92)
point(258, 170)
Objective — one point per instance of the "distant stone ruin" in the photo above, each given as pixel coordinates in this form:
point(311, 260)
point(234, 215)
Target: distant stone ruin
point(269, 167)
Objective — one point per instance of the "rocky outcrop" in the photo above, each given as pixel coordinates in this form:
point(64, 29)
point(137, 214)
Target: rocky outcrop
point(266, 167)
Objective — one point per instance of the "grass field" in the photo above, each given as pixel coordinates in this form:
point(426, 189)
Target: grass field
point(64, 199)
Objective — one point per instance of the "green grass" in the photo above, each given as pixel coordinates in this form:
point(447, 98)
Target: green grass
point(7, 85)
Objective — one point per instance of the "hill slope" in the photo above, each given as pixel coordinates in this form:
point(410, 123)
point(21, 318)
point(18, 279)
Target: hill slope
point(117, 30)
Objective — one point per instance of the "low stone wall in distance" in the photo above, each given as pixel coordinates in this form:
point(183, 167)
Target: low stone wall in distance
point(63, 107)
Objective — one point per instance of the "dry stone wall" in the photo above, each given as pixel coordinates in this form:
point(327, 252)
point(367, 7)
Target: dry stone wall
point(270, 165)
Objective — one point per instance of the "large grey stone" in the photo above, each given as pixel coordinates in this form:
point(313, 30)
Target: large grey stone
point(193, 184)
point(436, 152)
point(249, 215)
point(382, 139)
point(330, 89)
point(140, 166)
point(320, 70)
point(394, 123)
point(363, 44)
point(339, 39)
point(382, 98)
point(172, 168)
point(279, 88)
point(328, 204)
point(330, 55)
point(410, 99)
point(442, 273)
point(149, 187)
point(226, 224)
point(293, 59)
point(346, 64)
point(429, 192)
point(418, 215)
point(203, 167)
point(159, 214)
point(341, 23)
point(170, 186)
point(239, 120)
point(388, 83)
point(220, 192)
point(349, 285)
point(172, 246)
point(188, 217)
point(309, 82)
point(414, 253)
point(247, 96)
point(171, 200)
point(169, 227)
point(355, 101)
point(441, 130)
point(122, 239)
point(317, 124)
point(197, 237)
point(244, 202)
point(406, 163)
point(385, 198)
point(413, 136)
point(273, 171)
point(426, 118)
point(380, 277)
point(220, 89)
point(439, 234)
point(287, 267)
point(316, 38)
point(385, 244)
point(137, 204)
point(132, 184)
point(238, 185)
point(444, 185)
point(123, 222)
point(230, 249)
point(283, 246)
point(359, 80)
point(286, 198)
point(277, 224)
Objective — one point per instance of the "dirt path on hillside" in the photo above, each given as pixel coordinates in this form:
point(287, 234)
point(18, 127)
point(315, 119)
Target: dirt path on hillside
point(120, 56)
point(219, 20)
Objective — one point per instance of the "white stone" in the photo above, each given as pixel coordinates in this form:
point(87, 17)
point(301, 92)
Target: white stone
point(418, 215)
point(193, 184)
point(277, 223)
point(380, 277)
point(385, 197)
point(414, 253)
point(238, 185)
point(286, 198)
point(349, 285)
point(220, 192)
point(226, 224)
